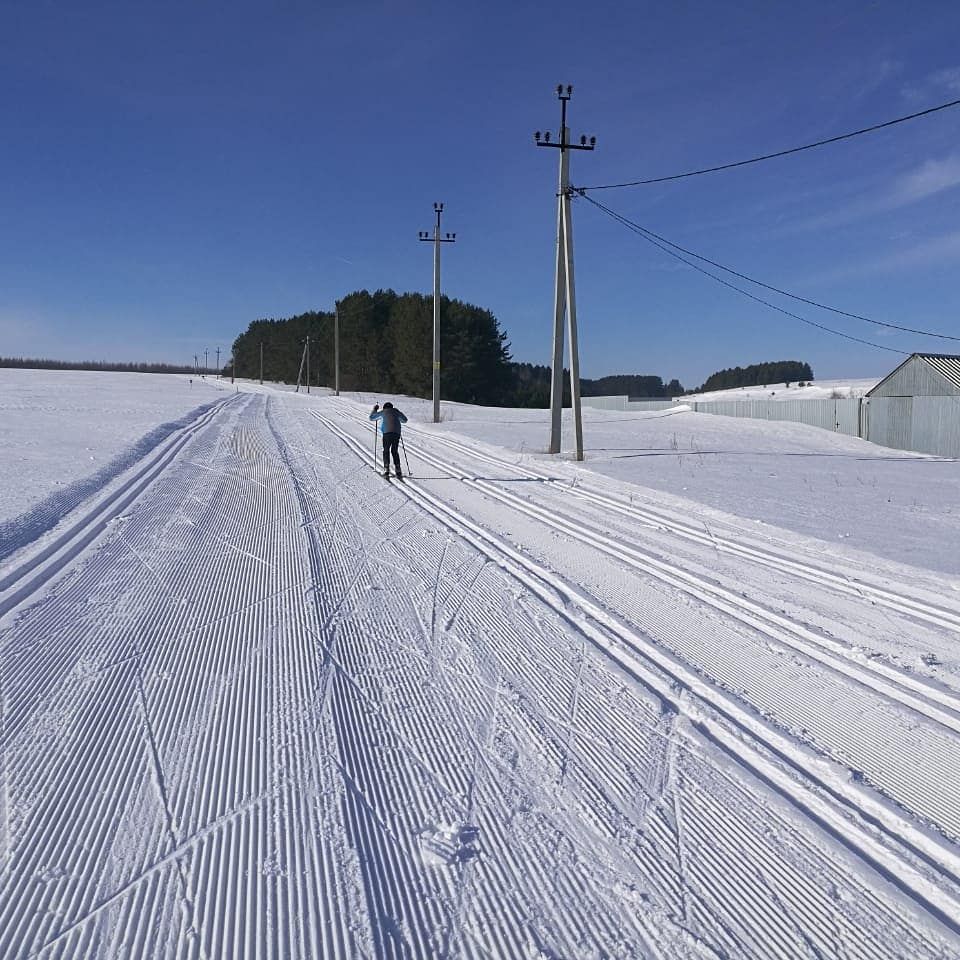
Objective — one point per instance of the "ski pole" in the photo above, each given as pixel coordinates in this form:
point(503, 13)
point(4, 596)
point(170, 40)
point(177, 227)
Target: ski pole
point(374, 444)
point(405, 457)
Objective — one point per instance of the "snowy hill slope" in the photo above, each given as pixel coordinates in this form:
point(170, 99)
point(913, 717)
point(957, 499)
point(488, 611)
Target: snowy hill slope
point(280, 706)
point(815, 390)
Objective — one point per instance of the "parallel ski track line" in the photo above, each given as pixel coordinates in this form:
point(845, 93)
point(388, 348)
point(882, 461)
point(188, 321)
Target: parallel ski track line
point(935, 806)
point(228, 760)
point(495, 840)
point(930, 700)
point(35, 572)
point(400, 773)
point(854, 587)
point(497, 845)
point(391, 889)
point(893, 846)
point(94, 813)
point(932, 805)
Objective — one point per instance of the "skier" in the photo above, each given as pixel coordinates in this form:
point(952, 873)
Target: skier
point(390, 420)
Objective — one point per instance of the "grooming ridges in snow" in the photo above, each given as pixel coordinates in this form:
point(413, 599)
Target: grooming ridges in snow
point(259, 703)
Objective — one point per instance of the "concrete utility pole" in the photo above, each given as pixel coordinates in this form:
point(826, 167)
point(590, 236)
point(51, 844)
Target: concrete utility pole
point(196, 366)
point(206, 366)
point(303, 358)
point(336, 348)
point(233, 364)
point(564, 297)
point(218, 363)
point(437, 240)
point(307, 349)
point(261, 363)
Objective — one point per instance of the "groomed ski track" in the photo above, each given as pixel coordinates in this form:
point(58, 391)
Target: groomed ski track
point(260, 703)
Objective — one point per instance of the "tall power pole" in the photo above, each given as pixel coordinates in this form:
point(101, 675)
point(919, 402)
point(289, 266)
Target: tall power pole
point(218, 363)
point(303, 360)
point(564, 296)
point(336, 348)
point(206, 368)
point(437, 240)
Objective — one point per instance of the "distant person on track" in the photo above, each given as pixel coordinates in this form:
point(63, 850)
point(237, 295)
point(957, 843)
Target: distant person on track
point(391, 420)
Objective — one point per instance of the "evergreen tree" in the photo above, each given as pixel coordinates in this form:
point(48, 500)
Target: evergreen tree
point(757, 374)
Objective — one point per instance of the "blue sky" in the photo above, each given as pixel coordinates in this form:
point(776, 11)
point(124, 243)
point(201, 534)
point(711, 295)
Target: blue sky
point(172, 171)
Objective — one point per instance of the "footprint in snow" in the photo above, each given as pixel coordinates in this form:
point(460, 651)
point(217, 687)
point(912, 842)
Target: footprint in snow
point(446, 845)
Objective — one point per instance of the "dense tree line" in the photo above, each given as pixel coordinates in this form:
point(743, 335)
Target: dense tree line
point(33, 363)
point(758, 374)
point(631, 384)
point(386, 346)
point(530, 386)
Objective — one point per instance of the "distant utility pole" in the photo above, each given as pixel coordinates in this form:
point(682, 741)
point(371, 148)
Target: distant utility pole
point(206, 366)
point(218, 363)
point(303, 360)
point(196, 366)
point(564, 292)
point(336, 348)
point(233, 363)
point(261, 363)
point(308, 362)
point(437, 240)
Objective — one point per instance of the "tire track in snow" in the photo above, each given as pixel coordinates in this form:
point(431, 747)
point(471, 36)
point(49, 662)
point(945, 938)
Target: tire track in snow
point(879, 835)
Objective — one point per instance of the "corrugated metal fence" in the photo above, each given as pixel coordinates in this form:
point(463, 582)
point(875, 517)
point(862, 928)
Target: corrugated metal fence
point(840, 416)
point(924, 424)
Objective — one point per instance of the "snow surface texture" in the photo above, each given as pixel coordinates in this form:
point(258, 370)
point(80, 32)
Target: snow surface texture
point(838, 489)
point(65, 433)
point(260, 702)
point(814, 390)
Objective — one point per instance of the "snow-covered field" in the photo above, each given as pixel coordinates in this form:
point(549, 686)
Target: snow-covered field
point(815, 390)
point(697, 697)
point(66, 433)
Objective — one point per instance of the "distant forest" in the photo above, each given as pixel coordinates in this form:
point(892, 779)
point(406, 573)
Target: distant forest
point(33, 363)
point(386, 346)
point(758, 375)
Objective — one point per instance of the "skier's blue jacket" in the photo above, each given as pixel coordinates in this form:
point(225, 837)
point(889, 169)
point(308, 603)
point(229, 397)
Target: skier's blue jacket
point(390, 419)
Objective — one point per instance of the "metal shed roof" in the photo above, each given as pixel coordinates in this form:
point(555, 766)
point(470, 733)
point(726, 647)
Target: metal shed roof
point(945, 364)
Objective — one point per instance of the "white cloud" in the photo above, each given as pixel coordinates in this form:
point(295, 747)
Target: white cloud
point(946, 80)
point(929, 178)
point(932, 252)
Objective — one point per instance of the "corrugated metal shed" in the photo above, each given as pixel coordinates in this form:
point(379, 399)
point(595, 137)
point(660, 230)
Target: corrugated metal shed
point(922, 375)
point(917, 406)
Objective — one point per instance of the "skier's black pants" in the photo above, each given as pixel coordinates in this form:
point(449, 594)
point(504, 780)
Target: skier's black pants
point(391, 444)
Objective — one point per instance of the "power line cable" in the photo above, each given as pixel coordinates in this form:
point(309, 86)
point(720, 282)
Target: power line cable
point(795, 316)
point(768, 286)
point(773, 156)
